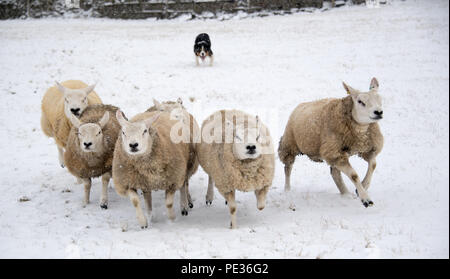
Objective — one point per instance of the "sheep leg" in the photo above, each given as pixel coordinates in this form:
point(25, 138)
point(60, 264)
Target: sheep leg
point(104, 198)
point(287, 174)
point(370, 169)
point(184, 200)
point(134, 197)
point(61, 156)
point(210, 192)
point(148, 203)
point(230, 197)
point(189, 198)
point(348, 170)
point(169, 204)
point(336, 174)
point(87, 190)
point(261, 197)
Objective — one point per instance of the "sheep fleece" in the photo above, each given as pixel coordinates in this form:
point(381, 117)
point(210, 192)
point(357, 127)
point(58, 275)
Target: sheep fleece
point(230, 173)
point(86, 165)
point(164, 168)
point(53, 121)
point(325, 130)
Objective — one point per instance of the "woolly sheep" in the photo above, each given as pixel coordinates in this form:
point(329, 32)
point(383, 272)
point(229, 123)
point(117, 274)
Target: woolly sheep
point(332, 130)
point(237, 154)
point(70, 97)
point(179, 112)
point(90, 147)
point(146, 158)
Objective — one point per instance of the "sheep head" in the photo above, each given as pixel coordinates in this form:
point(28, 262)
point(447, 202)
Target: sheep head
point(90, 135)
point(367, 106)
point(75, 100)
point(136, 136)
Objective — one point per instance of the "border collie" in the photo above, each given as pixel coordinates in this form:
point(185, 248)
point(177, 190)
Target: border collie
point(202, 49)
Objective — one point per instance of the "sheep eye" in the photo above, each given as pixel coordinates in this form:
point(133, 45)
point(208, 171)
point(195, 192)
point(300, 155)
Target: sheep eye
point(123, 133)
point(145, 131)
point(67, 101)
point(361, 102)
point(257, 138)
point(99, 133)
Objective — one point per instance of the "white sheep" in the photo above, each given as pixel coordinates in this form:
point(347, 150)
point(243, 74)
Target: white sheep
point(332, 130)
point(237, 154)
point(70, 97)
point(147, 159)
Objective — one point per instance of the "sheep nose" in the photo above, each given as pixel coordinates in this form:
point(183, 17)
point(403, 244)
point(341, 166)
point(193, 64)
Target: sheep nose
point(378, 112)
point(251, 147)
point(134, 145)
point(75, 111)
point(87, 144)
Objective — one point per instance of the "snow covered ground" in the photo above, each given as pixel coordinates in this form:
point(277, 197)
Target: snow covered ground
point(266, 65)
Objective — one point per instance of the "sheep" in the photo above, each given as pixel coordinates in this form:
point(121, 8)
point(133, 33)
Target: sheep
point(332, 130)
point(237, 155)
point(146, 158)
point(90, 147)
point(179, 112)
point(70, 97)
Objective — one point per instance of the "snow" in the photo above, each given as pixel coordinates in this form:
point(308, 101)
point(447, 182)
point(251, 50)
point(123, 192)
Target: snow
point(266, 65)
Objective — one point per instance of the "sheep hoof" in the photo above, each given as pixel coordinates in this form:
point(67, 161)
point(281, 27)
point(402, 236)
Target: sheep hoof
point(63, 166)
point(356, 191)
point(184, 212)
point(191, 205)
point(367, 203)
point(104, 206)
point(208, 202)
point(226, 202)
point(144, 227)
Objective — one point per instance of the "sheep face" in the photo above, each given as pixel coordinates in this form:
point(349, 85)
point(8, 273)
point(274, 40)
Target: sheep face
point(136, 136)
point(75, 100)
point(247, 140)
point(90, 135)
point(367, 106)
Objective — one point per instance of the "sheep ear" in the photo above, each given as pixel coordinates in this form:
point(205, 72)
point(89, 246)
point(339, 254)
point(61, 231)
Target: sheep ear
point(374, 84)
point(149, 121)
point(61, 88)
point(157, 104)
point(104, 120)
point(179, 101)
point(89, 89)
point(122, 121)
point(349, 89)
point(75, 121)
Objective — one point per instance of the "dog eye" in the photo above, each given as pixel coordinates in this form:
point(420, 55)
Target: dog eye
point(361, 102)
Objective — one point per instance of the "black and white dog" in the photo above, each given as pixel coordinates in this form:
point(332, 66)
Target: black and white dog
point(202, 48)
